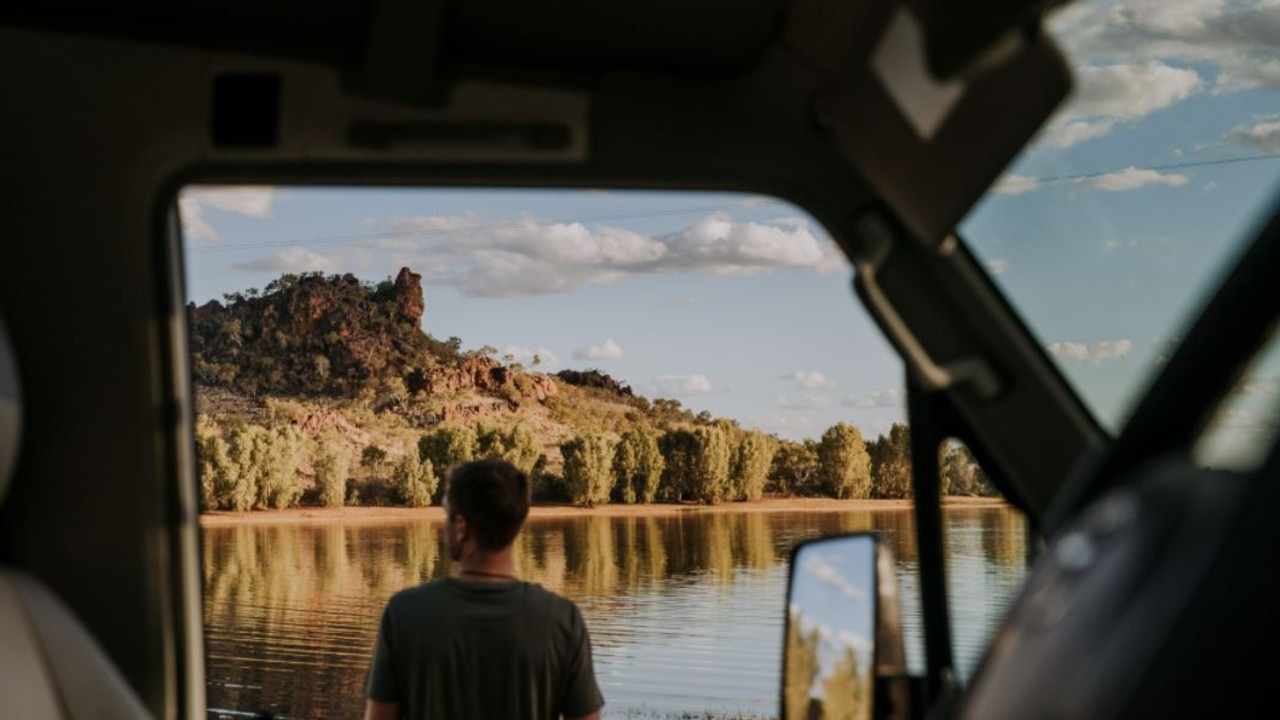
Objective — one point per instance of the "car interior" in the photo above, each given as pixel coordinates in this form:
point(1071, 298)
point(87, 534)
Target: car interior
point(886, 120)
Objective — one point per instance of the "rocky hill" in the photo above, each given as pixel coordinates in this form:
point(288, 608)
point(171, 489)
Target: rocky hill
point(325, 390)
point(324, 345)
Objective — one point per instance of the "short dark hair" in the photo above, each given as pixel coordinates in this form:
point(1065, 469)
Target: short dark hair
point(494, 498)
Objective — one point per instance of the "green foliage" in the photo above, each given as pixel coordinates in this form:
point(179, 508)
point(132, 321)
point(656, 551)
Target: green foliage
point(372, 456)
point(638, 465)
point(332, 465)
point(961, 474)
point(280, 453)
point(679, 451)
point(751, 464)
point(844, 468)
point(711, 463)
point(218, 474)
point(668, 413)
point(448, 446)
point(846, 690)
point(517, 445)
point(308, 333)
point(891, 463)
point(245, 453)
point(588, 465)
point(802, 668)
point(415, 481)
point(795, 468)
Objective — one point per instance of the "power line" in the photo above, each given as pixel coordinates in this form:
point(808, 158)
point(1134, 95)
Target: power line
point(1190, 164)
point(640, 215)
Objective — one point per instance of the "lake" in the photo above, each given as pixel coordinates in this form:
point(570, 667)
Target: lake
point(685, 610)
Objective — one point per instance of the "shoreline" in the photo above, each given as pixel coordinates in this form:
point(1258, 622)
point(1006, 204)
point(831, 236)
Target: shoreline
point(435, 513)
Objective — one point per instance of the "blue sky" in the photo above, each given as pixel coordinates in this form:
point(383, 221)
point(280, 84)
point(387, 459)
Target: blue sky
point(833, 590)
point(735, 304)
point(1105, 234)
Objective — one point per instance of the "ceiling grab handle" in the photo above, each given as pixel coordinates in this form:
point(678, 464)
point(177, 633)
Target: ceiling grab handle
point(876, 243)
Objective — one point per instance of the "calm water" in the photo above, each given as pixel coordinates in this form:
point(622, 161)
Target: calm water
point(685, 612)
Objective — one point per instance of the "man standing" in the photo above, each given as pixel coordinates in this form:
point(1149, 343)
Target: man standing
point(482, 644)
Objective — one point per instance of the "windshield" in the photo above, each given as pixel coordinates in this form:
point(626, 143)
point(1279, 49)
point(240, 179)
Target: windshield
point(1112, 227)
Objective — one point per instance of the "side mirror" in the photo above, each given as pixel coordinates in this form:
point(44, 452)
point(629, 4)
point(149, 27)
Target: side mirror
point(843, 655)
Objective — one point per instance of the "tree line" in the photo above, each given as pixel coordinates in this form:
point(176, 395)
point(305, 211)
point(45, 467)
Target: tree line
point(249, 467)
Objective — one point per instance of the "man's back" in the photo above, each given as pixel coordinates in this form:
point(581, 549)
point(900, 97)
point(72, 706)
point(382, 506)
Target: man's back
point(477, 649)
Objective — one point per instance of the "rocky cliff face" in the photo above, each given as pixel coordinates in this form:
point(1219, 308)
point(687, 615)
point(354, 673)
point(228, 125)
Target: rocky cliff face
point(311, 333)
point(594, 379)
point(334, 335)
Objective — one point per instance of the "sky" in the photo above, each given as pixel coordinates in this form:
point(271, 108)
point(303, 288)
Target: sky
point(735, 304)
point(833, 590)
point(1105, 234)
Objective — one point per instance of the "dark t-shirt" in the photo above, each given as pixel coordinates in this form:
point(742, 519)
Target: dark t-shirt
point(459, 649)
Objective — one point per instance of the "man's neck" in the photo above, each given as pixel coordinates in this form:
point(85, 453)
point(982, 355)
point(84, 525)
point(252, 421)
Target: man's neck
point(488, 566)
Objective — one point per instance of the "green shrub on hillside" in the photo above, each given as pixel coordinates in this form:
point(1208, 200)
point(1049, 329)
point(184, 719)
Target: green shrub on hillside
point(281, 453)
point(638, 465)
point(588, 468)
point(332, 465)
point(448, 446)
point(415, 481)
point(517, 445)
point(217, 473)
point(711, 463)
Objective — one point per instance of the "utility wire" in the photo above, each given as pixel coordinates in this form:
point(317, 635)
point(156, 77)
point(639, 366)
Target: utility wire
point(1157, 168)
point(697, 210)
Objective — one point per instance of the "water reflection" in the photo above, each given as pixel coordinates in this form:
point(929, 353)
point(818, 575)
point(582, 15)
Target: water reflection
point(685, 611)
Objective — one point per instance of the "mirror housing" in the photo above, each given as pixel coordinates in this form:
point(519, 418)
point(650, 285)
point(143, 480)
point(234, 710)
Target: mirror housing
point(843, 651)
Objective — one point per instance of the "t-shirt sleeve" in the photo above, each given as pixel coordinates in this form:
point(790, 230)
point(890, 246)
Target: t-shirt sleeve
point(582, 695)
point(381, 684)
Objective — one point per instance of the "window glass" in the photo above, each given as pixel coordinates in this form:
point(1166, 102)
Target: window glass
point(1109, 230)
point(986, 554)
point(350, 344)
point(1244, 426)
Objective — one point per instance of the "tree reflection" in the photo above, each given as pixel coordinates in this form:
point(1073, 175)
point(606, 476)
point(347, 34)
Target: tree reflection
point(291, 610)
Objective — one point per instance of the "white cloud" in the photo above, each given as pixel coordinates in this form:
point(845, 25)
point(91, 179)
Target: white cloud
point(1091, 352)
point(294, 259)
point(194, 226)
point(426, 224)
point(1234, 40)
point(809, 379)
point(532, 256)
point(806, 402)
point(783, 422)
point(1132, 178)
point(825, 573)
point(525, 356)
point(682, 385)
point(1263, 134)
point(998, 266)
point(893, 397)
point(1015, 184)
point(1127, 91)
point(252, 201)
point(608, 350)
point(1071, 132)
point(1110, 94)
